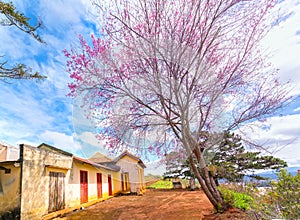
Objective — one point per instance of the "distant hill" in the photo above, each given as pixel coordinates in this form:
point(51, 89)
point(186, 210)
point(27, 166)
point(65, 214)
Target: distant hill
point(272, 174)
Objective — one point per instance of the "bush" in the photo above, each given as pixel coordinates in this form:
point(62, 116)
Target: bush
point(236, 199)
point(285, 195)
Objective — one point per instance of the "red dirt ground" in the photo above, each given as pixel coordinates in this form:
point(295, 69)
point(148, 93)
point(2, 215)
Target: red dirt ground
point(155, 205)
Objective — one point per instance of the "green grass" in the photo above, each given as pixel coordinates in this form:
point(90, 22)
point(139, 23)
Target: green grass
point(161, 184)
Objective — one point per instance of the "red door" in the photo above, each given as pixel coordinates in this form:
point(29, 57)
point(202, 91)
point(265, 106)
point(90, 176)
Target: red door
point(83, 186)
point(99, 185)
point(109, 185)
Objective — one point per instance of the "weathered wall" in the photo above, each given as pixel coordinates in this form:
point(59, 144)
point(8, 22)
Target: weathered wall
point(130, 165)
point(37, 163)
point(9, 189)
point(141, 176)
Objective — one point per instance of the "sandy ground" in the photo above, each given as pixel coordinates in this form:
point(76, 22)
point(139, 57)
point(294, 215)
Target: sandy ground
point(154, 205)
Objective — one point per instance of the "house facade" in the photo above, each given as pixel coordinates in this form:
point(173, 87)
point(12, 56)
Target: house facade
point(45, 179)
point(132, 172)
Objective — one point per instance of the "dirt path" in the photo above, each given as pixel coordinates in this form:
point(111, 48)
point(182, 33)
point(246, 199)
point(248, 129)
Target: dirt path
point(154, 204)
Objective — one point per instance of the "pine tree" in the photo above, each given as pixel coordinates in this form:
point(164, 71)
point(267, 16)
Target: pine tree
point(9, 16)
point(232, 162)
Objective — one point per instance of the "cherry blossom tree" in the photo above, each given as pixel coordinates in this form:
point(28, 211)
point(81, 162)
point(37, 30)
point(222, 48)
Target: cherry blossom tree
point(169, 75)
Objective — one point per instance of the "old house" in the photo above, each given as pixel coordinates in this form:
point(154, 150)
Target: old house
point(45, 179)
point(131, 170)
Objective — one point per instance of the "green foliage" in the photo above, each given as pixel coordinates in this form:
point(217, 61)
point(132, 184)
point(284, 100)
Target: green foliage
point(232, 161)
point(161, 184)
point(14, 18)
point(9, 16)
point(236, 199)
point(285, 194)
point(281, 201)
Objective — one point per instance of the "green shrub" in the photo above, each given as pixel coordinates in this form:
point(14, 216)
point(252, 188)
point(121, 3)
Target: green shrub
point(236, 199)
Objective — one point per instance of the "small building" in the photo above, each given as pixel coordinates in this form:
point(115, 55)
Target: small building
point(132, 172)
point(45, 179)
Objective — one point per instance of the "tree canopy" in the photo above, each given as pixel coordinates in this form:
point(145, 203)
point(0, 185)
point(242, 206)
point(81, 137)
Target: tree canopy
point(228, 161)
point(9, 16)
point(176, 72)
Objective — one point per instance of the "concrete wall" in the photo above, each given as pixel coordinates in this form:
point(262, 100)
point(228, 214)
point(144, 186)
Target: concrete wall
point(37, 163)
point(9, 189)
point(117, 183)
point(3, 152)
point(73, 195)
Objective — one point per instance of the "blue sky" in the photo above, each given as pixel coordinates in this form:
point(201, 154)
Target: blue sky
point(33, 113)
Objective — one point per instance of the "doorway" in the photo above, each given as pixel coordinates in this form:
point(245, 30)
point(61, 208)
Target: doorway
point(83, 186)
point(56, 191)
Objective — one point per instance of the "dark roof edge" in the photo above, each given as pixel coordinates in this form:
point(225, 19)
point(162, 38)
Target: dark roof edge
point(55, 149)
point(116, 168)
point(132, 156)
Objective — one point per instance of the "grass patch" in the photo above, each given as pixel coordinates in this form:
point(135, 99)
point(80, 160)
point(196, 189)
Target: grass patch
point(161, 184)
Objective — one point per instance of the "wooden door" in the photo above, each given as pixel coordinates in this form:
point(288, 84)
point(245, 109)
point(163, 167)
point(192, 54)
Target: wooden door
point(83, 186)
point(109, 185)
point(56, 191)
point(99, 185)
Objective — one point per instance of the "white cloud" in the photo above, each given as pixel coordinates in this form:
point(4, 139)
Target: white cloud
point(35, 113)
point(280, 134)
point(297, 109)
point(29, 110)
point(155, 168)
point(60, 140)
point(90, 138)
point(284, 43)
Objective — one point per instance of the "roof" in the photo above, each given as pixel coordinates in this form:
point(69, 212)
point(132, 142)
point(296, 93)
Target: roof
point(92, 162)
point(97, 160)
point(51, 148)
point(111, 165)
point(9, 162)
point(100, 158)
point(126, 153)
point(103, 166)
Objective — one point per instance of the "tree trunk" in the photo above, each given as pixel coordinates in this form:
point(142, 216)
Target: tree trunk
point(210, 188)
